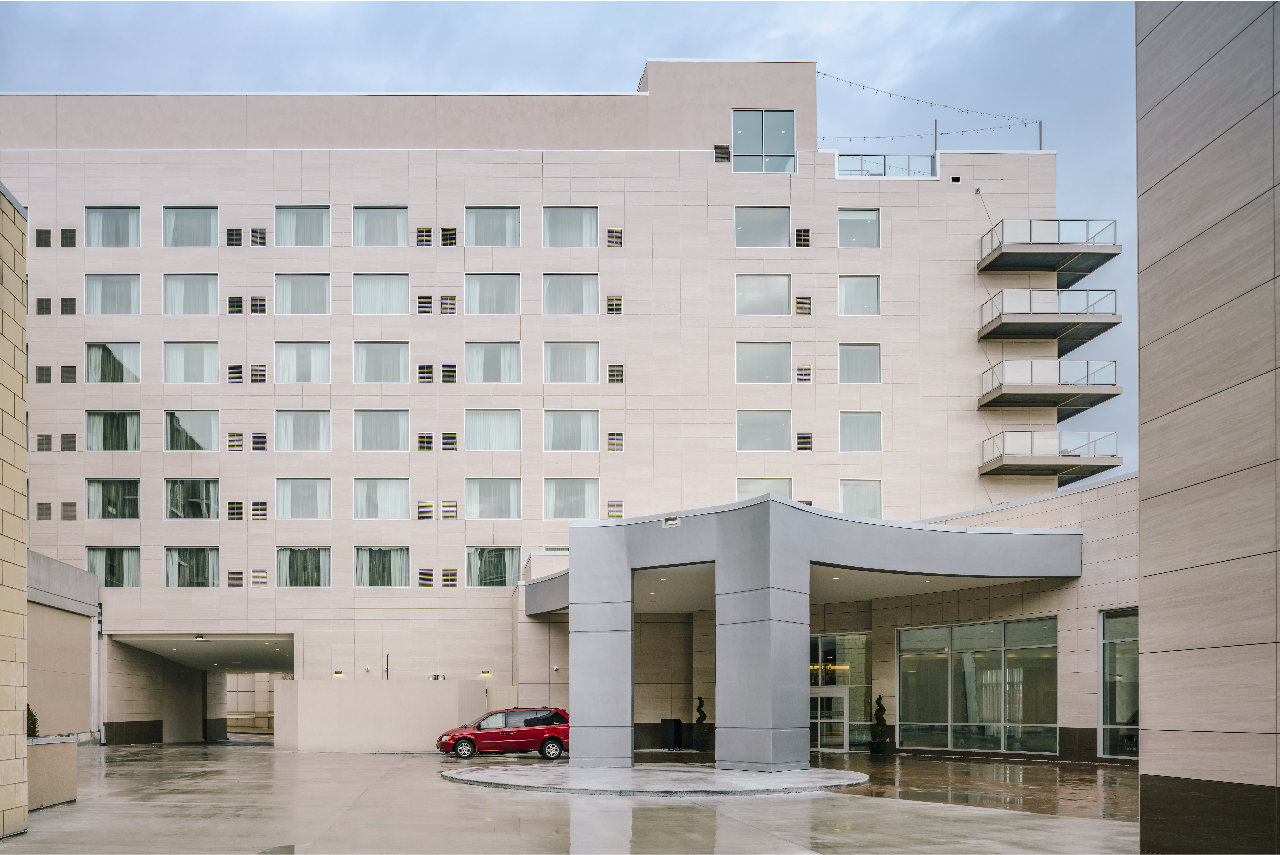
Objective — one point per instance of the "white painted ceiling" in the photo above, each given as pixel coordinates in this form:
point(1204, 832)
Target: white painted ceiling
point(247, 654)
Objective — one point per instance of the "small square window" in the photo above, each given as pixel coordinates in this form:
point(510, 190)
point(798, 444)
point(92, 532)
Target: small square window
point(68, 374)
point(68, 511)
point(259, 442)
point(257, 305)
point(448, 304)
point(426, 511)
point(44, 306)
point(425, 576)
point(424, 304)
point(448, 578)
point(233, 237)
point(764, 141)
point(615, 442)
point(44, 510)
point(235, 442)
point(448, 373)
point(613, 305)
point(44, 373)
point(68, 442)
point(802, 237)
point(448, 442)
point(235, 305)
point(955, 179)
point(804, 442)
point(235, 511)
point(259, 510)
point(43, 238)
point(257, 374)
point(613, 237)
point(615, 374)
point(424, 237)
point(68, 238)
point(721, 153)
point(425, 373)
point(425, 441)
point(68, 305)
point(44, 442)
point(448, 511)
point(235, 373)
point(449, 237)
point(258, 237)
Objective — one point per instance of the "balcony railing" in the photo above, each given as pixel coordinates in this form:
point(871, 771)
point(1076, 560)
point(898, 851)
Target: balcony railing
point(1050, 443)
point(885, 166)
point(1046, 301)
point(1047, 232)
point(1049, 372)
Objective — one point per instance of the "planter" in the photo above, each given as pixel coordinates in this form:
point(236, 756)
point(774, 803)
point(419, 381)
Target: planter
point(877, 748)
point(51, 771)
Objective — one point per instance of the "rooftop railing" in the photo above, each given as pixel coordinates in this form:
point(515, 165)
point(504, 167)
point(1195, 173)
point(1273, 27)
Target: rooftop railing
point(1047, 232)
point(1049, 372)
point(1046, 301)
point(885, 166)
point(1050, 443)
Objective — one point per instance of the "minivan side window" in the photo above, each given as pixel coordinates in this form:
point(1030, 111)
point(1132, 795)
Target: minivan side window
point(493, 722)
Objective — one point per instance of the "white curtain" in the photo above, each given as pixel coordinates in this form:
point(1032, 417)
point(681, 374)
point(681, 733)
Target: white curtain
point(191, 567)
point(302, 567)
point(859, 431)
point(191, 294)
point(859, 295)
point(111, 227)
point(764, 430)
point(493, 227)
point(492, 294)
point(571, 499)
point(493, 430)
point(382, 567)
point(302, 362)
point(302, 294)
point(191, 362)
point(302, 430)
point(382, 499)
point(380, 227)
point(764, 362)
point(749, 488)
point(379, 294)
point(190, 226)
point(112, 295)
point(860, 498)
point(571, 430)
point(303, 499)
point(493, 361)
point(191, 430)
point(493, 566)
point(764, 295)
point(572, 362)
point(382, 362)
point(493, 498)
point(382, 430)
point(116, 566)
point(571, 227)
point(302, 226)
point(859, 363)
point(111, 431)
point(113, 362)
point(570, 294)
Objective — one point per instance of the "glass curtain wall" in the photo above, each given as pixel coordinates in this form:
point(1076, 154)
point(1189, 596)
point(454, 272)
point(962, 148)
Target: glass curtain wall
point(1119, 732)
point(839, 691)
point(302, 567)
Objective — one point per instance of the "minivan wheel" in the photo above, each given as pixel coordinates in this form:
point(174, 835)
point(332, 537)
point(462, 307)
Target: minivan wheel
point(551, 749)
point(464, 748)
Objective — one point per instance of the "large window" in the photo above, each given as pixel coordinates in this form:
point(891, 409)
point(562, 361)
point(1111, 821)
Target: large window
point(115, 499)
point(493, 227)
point(571, 430)
point(749, 488)
point(111, 431)
point(1119, 672)
point(380, 227)
point(764, 141)
point(491, 294)
point(382, 566)
point(190, 226)
point(302, 430)
point(571, 499)
point(191, 498)
point(382, 499)
point(764, 430)
point(302, 362)
point(571, 362)
point(493, 498)
point(492, 430)
point(493, 362)
point(860, 498)
point(573, 227)
point(302, 294)
point(191, 294)
point(303, 499)
point(493, 566)
point(191, 567)
point(112, 362)
point(382, 430)
point(191, 362)
point(112, 295)
point(302, 226)
point(191, 430)
point(839, 691)
point(302, 567)
point(859, 431)
point(111, 227)
point(859, 295)
point(860, 228)
point(115, 566)
point(764, 362)
point(382, 362)
point(764, 294)
point(762, 226)
point(570, 294)
point(380, 294)
point(984, 687)
point(859, 363)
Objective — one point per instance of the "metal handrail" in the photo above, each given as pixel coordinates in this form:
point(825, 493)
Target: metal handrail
point(1046, 301)
point(885, 166)
point(1051, 443)
point(1049, 372)
point(1047, 232)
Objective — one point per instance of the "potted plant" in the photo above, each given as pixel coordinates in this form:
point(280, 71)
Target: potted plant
point(701, 733)
point(878, 727)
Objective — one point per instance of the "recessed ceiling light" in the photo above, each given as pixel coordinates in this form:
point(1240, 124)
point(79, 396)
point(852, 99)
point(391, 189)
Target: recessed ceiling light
point(662, 580)
point(835, 578)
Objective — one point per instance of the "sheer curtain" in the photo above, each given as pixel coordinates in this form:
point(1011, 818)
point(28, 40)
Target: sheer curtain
point(190, 226)
point(859, 431)
point(570, 294)
point(859, 363)
point(112, 295)
point(571, 227)
point(380, 227)
point(302, 362)
point(111, 431)
point(111, 226)
point(116, 566)
point(191, 499)
point(382, 499)
point(191, 294)
point(381, 362)
point(191, 430)
point(572, 362)
point(764, 362)
point(302, 567)
point(571, 499)
point(302, 294)
point(115, 499)
point(302, 430)
point(493, 566)
point(303, 499)
point(571, 430)
point(860, 498)
point(380, 294)
point(112, 362)
point(493, 227)
point(493, 430)
point(492, 294)
point(302, 226)
point(382, 430)
point(191, 362)
point(191, 567)
point(764, 294)
point(382, 567)
point(493, 361)
point(859, 295)
point(493, 498)
point(749, 488)
point(764, 430)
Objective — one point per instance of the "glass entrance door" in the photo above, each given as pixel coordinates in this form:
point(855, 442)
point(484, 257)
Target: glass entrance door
point(839, 692)
point(829, 719)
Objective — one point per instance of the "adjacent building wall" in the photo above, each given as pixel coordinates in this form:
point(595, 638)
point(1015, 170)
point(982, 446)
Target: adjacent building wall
point(152, 699)
point(59, 669)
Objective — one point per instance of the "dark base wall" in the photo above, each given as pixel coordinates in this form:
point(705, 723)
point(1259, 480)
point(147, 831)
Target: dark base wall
point(647, 736)
point(1075, 745)
point(1185, 815)
point(215, 729)
point(134, 732)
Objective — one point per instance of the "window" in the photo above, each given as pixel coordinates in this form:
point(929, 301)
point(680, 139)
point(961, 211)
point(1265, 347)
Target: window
point(303, 499)
point(191, 362)
point(44, 511)
point(762, 226)
point(44, 306)
point(493, 362)
point(571, 499)
point(44, 442)
point(493, 498)
point(380, 227)
point(382, 362)
point(68, 238)
point(111, 431)
point(571, 362)
point(764, 295)
point(302, 226)
point(191, 499)
point(68, 306)
point(68, 374)
point(191, 430)
point(860, 432)
point(44, 238)
point(44, 373)
point(68, 442)
point(573, 227)
point(493, 430)
point(493, 227)
point(191, 567)
point(302, 362)
point(68, 511)
point(987, 687)
point(190, 226)
point(571, 430)
point(113, 362)
point(859, 363)
point(859, 295)
point(571, 294)
point(382, 499)
point(1119, 672)
point(115, 499)
point(764, 430)
point(380, 294)
point(382, 567)
point(493, 566)
point(302, 430)
point(235, 237)
point(109, 227)
point(860, 498)
point(191, 294)
point(115, 566)
point(860, 228)
point(382, 430)
point(302, 567)
point(302, 294)
point(764, 362)
point(112, 295)
point(749, 488)
point(840, 691)
point(764, 141)
point(491, 294)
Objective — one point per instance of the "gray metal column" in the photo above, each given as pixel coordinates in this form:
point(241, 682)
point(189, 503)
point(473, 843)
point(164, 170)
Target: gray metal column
point(762, 640)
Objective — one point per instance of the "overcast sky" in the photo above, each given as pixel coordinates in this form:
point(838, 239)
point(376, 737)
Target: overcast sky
point(1069, 64)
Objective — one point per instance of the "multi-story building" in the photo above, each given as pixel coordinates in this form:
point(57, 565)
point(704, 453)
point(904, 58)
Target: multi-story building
point(316, 376)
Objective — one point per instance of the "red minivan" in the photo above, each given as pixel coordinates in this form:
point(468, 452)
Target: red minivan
point(543, 730)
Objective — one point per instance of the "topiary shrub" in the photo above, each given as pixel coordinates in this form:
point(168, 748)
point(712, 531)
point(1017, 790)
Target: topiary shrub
point(700, 730)
point(879, 723)
point(33, 723)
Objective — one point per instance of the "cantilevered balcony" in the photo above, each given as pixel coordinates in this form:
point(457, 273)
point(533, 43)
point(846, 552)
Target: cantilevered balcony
point(1071, 317)
point(1069, 455)
point(1070, 385)
point(1071, 248)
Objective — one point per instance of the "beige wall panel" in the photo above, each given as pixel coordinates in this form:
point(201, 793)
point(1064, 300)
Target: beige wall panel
point(58, 669)
point(1242, 758)
point(1245, 674)
point(1179, 611)
point(1149, 14)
